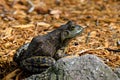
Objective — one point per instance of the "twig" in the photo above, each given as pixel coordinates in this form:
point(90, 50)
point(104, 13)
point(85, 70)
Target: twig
point(32, 6)
point(117, 50)
point(87, 38)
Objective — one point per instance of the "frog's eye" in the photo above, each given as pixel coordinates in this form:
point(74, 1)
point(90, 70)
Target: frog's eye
point(72, 28)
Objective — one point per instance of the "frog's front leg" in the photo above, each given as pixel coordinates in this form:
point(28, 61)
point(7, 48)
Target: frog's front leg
point(61, 53)
point(37, 64)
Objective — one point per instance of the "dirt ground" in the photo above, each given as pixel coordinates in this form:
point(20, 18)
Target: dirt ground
point(21, 20)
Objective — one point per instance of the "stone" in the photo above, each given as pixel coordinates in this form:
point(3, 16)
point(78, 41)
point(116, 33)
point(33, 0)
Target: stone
point(117, 71)
point(86, 67)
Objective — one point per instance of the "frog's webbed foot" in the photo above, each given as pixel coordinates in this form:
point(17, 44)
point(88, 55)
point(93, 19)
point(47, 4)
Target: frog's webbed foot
point(61, 53)
point(37, 64)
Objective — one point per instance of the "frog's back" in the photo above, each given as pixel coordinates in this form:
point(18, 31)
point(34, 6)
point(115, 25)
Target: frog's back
point(45, 45)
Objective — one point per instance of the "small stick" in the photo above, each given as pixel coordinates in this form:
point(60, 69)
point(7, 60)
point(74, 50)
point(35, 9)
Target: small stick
point(87, 38)
point(117, 50)
point(32, 6)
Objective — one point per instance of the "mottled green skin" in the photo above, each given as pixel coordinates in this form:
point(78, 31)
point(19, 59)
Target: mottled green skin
point(42, 51)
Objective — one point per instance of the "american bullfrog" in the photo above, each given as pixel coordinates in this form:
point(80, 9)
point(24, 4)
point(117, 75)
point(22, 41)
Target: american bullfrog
point(43, 51)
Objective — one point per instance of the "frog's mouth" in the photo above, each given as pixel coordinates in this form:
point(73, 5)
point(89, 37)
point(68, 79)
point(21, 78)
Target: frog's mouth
point(80, 31)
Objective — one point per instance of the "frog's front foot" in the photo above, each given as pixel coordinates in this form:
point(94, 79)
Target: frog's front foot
point(61, 53)
point(37, 64)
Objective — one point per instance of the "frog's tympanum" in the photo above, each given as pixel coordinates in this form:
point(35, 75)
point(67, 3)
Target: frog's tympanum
point(43, 51)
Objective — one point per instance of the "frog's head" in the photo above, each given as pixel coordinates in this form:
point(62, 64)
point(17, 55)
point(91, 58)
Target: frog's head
point(70, 31)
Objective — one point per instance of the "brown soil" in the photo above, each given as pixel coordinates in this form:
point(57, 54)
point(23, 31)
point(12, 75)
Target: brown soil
point(100, 18)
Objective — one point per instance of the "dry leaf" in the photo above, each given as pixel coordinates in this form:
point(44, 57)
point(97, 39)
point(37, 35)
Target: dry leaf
point(8, 32)
point(11, 75)
point(23, 26)
point(43, 24)
point(42, 8)
point(93, 34)
point(56, 25)
point(55, 12)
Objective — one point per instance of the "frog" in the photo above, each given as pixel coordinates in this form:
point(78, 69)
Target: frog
point(44, 50)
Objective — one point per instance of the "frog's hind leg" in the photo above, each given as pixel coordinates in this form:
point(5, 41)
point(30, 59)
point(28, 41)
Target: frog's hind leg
point(20, 52)
point(37, 64)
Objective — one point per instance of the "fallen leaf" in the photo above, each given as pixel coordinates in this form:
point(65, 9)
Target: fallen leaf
point(56, 25)
point(55, 12)
point(23, 26)
point(8, 32)
point(42, 8)
point(93, 34)
point(43, 24)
